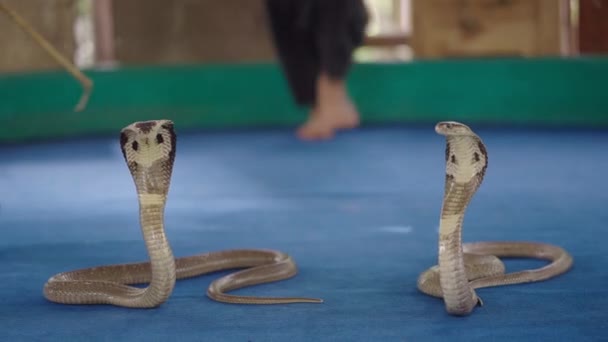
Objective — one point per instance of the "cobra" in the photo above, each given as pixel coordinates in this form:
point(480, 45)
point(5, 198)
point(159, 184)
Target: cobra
point(462, 268)
point(149, 150)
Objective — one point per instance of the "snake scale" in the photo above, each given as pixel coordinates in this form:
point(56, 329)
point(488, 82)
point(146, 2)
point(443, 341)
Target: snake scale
point(149, 149)
point(462, 268)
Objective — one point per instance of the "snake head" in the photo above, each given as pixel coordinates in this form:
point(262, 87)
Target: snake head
point(149, 150)
point(453, 128)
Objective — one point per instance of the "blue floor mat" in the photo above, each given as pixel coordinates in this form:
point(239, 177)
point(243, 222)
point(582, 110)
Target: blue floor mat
point(359, 214)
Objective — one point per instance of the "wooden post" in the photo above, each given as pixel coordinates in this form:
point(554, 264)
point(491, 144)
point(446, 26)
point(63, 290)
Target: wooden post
point(593, 26)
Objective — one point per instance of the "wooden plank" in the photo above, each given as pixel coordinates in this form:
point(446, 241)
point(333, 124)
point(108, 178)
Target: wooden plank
point(387, 40)
point(186, 31)
point(467, 28)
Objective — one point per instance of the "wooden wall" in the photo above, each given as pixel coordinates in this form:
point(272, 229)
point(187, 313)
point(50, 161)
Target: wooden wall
point(227, 31)
point(182, 31)
point(54, 19)
point(464, 28)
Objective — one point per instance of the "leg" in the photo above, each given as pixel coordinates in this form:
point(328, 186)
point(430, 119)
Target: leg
point(339, 30)
point(295, 47)
point(315, 40)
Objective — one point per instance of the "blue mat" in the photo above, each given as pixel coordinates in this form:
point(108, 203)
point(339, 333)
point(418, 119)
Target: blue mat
point(359, 214)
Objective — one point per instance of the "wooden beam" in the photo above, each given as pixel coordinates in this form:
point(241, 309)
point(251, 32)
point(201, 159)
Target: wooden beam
point(387, 40)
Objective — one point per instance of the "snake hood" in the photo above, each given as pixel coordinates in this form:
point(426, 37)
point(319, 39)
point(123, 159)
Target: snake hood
point(149, 145)
point(465, 154)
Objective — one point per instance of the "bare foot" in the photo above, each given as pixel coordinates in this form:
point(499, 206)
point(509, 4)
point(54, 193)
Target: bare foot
point(316, 128)
point(324, 121)
point(343, 115)
point(334, 111)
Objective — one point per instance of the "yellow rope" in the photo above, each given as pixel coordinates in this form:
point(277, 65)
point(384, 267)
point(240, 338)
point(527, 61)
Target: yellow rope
point(85, 82)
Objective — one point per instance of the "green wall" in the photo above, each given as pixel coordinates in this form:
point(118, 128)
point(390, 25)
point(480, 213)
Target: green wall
point(539, 92)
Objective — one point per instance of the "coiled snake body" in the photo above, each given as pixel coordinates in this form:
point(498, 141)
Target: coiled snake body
point(463, 268)
point(149, 151)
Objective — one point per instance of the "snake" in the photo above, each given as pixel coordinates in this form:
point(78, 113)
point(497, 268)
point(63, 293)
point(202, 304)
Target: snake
point(463, 268)
point(149, 148)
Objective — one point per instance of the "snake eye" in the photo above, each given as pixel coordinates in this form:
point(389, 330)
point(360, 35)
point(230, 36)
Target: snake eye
point(160, 139)
point(449, 125)
point(135, 145)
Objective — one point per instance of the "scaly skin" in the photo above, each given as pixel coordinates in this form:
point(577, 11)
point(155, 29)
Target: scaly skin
point(464, 268)
point(149, 151)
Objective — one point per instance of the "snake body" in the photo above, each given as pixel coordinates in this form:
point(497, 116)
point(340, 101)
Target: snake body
point(149, 151)
point(462, 268)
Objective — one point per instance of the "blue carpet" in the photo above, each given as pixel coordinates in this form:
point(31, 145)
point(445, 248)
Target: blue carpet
point(359, 214)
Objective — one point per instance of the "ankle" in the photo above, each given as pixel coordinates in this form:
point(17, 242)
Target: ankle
point(328, 87)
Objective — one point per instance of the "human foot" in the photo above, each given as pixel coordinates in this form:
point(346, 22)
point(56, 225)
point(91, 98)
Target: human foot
point(334, 111)
point(343, 114)
point(323, 122)
point(317, 127)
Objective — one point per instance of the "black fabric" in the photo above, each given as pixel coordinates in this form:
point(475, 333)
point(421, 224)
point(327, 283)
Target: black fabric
point(314, 36)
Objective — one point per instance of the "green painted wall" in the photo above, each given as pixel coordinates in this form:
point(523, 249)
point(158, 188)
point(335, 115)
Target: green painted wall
point(540, 92)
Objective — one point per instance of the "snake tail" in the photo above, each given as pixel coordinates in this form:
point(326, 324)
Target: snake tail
point(283, 268)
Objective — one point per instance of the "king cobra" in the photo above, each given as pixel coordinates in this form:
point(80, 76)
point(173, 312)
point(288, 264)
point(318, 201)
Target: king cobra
point(149, 149)
point(463, 268)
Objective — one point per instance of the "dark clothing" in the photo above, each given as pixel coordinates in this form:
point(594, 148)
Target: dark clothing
point(314, 36)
